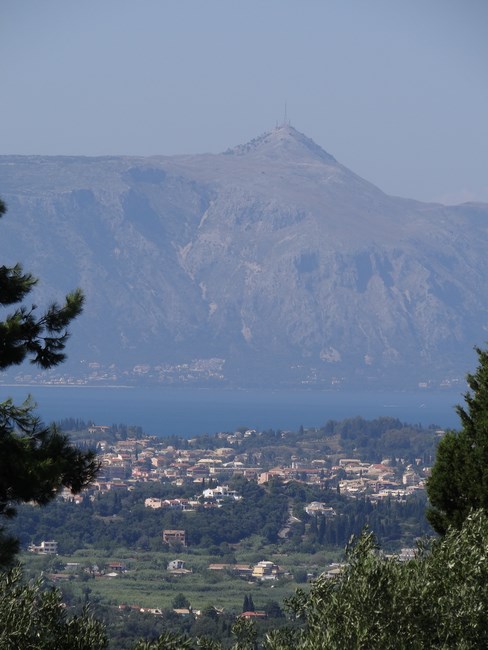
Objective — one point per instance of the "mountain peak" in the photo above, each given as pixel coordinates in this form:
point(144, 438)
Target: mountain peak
point(284, 141)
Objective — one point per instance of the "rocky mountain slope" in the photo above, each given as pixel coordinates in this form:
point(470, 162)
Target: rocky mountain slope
point(270, 263)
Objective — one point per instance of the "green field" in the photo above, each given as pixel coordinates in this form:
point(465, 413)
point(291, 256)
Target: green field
point(148, 584)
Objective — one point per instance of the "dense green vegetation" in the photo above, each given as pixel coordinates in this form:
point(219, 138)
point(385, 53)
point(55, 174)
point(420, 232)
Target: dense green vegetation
point(117, 527)
point(370, 440)
point(114, 520)
point(459, 480)
point(31, 617)
point(437, 600)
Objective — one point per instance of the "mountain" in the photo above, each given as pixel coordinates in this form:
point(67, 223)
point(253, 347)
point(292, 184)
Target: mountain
point(268, 264)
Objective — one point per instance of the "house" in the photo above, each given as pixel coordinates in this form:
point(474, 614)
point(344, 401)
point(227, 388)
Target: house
point(176, 504)
point(45, 548)
point(243, 570)
point(151, 502)
point(379, 471)
point(182, 611)
point(176, 565)
point(219, 567)
point(197, 471)
point(334, 570)
point(319, 508)
point(410, 477)
point(174, 537)
point(220, 492)
point(349, 462)
point(266, 570)
point(98, 428)
point(253, 615)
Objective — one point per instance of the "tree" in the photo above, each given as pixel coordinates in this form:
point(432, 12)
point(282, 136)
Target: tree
point(166, 641)
point(273, 609)
point(23, 334)
point(180, 601)
point(439, 599)
point(459, 479)
point(36, 461)
point(35, 618)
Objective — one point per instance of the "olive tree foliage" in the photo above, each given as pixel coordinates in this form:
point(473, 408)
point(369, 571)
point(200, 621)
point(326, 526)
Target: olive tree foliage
point(171, 641)
point(34, 617)
point(166, 641)
point(243, 631)
point(459, 479)
point(36, 461)
point(437, 600)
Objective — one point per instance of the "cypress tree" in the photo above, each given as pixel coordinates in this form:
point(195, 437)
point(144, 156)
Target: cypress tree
point(459, 478)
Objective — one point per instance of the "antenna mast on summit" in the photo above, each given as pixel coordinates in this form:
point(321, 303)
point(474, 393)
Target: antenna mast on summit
point(285, 122)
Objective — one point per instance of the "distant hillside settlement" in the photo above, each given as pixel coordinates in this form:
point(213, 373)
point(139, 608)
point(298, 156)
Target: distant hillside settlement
point(247, 454)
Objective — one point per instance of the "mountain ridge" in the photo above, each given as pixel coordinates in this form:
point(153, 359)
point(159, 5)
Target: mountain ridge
point(274, 258)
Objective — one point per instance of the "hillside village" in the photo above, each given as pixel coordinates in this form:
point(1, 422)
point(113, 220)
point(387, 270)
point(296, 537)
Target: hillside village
point(125, 463)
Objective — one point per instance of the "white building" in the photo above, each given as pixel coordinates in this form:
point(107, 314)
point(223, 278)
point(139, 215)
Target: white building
point(45, 548)
point(319, 508)
point(220, 492)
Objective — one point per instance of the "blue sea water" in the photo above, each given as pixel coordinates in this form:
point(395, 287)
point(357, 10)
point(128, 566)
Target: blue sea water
point(187, 412)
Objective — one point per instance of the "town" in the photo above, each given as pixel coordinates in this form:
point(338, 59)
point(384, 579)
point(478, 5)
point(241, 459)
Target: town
point(167, 519)
point(149, 459)
point(324, 478)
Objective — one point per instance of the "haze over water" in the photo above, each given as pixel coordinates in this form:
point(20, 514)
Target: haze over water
point(166, 411)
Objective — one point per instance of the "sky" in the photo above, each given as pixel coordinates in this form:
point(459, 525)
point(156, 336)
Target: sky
point(396, 90)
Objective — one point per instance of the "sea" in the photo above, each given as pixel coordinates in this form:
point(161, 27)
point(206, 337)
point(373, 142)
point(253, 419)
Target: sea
point(188, 412)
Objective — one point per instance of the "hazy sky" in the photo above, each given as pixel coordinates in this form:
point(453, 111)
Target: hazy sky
point(397, 90)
